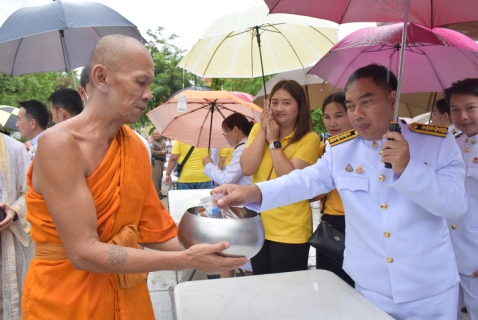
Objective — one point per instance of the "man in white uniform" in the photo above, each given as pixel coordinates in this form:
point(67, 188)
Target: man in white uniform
point(463, 99)
point(32, 122)
point(398, 248)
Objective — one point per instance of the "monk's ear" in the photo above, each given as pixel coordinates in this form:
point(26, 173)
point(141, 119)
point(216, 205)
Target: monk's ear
point(98, 77)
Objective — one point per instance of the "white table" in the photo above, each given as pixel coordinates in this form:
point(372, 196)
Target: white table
point(312, 294)
point(181, 200)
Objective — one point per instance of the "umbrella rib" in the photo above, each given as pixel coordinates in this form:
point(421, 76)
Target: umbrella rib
point(351, 62)
point(16, 54)
point(287, 40)
point(343, 15)
point(320, 32)
point(217, 48)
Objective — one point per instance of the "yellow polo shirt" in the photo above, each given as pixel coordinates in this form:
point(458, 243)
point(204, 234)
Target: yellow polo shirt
point(333, 202)
point(291, 223)
point(227, 153)
point(193, 169)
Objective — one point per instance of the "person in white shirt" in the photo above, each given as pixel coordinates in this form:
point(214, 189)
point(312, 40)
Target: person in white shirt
point(33, 119)
point(398, 248)
point(441, 117)
point(236, 128)
point(462, 97)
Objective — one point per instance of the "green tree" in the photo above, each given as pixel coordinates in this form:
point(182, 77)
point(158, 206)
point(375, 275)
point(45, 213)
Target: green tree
point(37, 86)
point(318, 121)
point(248, 85)
point(168, 77)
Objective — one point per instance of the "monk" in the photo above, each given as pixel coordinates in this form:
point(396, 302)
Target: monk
point(91, 201)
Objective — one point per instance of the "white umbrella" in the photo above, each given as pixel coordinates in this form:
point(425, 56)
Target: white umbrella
point(252, 43)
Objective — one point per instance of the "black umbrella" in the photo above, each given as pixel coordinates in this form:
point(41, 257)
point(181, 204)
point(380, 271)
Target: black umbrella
point(57, 36)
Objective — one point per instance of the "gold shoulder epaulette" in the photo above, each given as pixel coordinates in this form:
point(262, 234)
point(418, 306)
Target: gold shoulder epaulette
point(342, 137)
point(429, 129)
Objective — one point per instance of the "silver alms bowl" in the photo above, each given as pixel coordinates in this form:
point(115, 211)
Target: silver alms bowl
point(246, 235)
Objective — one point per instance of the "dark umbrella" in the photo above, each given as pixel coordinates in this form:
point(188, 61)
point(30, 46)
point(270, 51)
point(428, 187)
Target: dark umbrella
point(57, 36)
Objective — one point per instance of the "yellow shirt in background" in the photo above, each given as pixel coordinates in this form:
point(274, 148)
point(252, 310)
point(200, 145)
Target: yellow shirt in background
point(193, 169)
point(333, 202)
point(291, 223)
point(226, 153)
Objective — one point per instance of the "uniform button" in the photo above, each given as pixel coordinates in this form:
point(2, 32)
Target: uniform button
point(380, 152)
point(383, 206)
point(467, 150)
point(473, 141)
point(382, 178)
point(375, 145)
point(466, 140)
point(389, 259)
point(386, 234)
point(453, 226)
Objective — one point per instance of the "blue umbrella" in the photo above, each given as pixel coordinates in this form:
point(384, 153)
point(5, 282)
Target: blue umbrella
point(57, 36)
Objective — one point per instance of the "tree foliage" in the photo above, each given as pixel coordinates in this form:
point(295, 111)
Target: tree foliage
point(318, 122)
point(37, 86)
point(251, 86)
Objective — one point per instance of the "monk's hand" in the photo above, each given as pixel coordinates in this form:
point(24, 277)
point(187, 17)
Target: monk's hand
point(235, 195)
point(10, 214)
point(167, 179)
point(207, 159)
point(205, 257)
point(396, 152)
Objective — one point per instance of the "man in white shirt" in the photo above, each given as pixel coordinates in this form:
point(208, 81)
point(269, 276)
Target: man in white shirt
point(33, 119)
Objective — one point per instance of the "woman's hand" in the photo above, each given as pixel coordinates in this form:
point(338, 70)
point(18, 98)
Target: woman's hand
point(273, 131)
point(265, 115)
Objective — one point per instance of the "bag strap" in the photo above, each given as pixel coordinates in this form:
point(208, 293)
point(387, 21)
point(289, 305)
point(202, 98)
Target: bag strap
point(187, 156)
point(270, 172)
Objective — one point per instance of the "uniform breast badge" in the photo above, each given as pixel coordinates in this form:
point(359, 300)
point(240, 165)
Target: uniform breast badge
point(359, 169)
point(475, 160)
point(349, 168)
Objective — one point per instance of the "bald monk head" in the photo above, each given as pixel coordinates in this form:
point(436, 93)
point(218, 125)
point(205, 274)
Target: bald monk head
point(121, 71)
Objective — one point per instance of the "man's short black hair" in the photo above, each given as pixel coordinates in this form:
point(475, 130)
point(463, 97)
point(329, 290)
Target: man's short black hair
point(34, 109)
point(84, 77)
point(443, 106)
point(466, 86)
point(67, 99)
point(380, 75)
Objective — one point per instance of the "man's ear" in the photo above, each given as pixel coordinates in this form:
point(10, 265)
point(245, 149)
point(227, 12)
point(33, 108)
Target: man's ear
point(98, 77)
point(63, 114)
point(393, 97)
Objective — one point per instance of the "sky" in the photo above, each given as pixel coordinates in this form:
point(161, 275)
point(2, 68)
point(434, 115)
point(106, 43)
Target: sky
point(189, 19)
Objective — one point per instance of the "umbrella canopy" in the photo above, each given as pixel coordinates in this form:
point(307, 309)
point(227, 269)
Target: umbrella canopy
point(201, 124)
point(9, 117)
point(230, 49)
point(196, 88)
point(243, 95)
point(434, 57)
point(57, 36)
point(429, 13)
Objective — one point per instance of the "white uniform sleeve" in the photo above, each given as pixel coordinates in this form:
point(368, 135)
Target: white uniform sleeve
point(298, 185)
point(442, 191)
point(231, 174)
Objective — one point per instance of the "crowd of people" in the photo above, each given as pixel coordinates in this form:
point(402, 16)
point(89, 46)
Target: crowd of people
point(83, 202)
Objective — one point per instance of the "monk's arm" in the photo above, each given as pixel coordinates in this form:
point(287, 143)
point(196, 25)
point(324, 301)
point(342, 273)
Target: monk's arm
point(61, 180)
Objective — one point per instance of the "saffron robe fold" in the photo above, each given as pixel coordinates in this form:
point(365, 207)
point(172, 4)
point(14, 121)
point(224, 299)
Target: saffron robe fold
point(124, 195)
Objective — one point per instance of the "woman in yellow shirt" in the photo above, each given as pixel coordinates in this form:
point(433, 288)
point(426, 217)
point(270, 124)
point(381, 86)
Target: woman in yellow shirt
point(283, 141)
point(336, 122)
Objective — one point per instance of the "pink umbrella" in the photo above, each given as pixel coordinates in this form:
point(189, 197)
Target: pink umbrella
point(430, 13)
point(242, 95)
point(434, 57)
point(195, 117)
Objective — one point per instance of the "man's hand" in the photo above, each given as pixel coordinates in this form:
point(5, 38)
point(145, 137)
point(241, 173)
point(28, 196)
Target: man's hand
point(204, 257)
point(235, 195)
point(207, 159)
point(475, 274)
point(396, 152)
point(167, 179)
point(10, 214)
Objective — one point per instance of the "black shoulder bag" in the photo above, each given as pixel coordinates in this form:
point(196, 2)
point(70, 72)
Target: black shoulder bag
point(179, 166)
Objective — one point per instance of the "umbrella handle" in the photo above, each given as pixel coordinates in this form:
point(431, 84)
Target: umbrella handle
point(394, 127)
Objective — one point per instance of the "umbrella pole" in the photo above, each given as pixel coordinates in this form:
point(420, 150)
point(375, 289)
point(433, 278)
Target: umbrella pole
point(258, 36)
point(67, 58)
point(211, 109)
point(394, 126)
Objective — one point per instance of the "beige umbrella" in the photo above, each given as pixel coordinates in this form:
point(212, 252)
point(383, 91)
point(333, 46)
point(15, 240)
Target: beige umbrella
point(252, 43)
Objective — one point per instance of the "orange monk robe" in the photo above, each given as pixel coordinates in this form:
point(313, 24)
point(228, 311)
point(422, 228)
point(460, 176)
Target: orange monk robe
point(124, 194)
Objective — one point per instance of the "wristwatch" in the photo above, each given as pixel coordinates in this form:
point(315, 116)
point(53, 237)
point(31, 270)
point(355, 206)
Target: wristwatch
point(275, 145)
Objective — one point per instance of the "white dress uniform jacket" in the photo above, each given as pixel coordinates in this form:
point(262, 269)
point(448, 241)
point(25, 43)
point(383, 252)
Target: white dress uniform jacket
point(464, 231)
point(397, 242)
